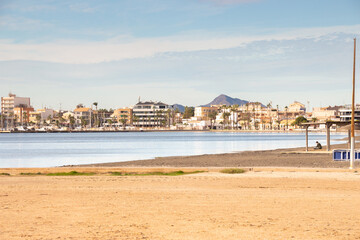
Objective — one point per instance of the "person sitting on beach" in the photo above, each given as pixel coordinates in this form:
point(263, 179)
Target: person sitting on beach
point(318, 145)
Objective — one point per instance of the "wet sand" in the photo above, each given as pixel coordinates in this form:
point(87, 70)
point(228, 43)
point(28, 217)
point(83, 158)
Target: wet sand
point(295, 157)
point(261, 204)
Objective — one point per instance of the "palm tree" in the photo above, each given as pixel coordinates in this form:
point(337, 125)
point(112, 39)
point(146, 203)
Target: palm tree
point(287, 122)
point(97, 115)
point(170, 116)
point(212, 116)
point(253, 116)
point(49, 118)
point(269, 107)
point(225, 116)
point(83, 122)
point(135, 120)
point(278, 124)
point(24, 118)
point(123, 121)
point(38, 119)
point(114, 120)
point(110, 122)
point(61, 120)
point(2, 117)
point(71, 121)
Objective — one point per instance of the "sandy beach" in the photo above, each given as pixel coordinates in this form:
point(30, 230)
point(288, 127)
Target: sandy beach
point(284, 194)
point(267, 203)
point(294, 157)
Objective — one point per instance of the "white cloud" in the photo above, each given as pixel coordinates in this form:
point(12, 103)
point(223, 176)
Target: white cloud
point(22, 23)
point(79, 52)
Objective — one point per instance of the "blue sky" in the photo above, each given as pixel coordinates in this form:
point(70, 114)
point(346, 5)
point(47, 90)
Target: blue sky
point(187, 51)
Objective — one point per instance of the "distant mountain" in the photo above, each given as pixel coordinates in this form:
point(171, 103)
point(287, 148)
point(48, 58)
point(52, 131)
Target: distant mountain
point(226, 100)
point(179, 106)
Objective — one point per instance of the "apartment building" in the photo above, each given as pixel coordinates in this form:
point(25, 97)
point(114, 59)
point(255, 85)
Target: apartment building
point(83, 116)
point(345, 113)
point(202, 113)
point(151, 114)
point(123, 115)
point(22, 115)
point(326, 113)
point(10, 115)
point(41, 115)
point(297, 107)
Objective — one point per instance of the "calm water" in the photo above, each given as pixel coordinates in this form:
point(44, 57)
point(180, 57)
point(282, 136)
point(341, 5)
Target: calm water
point(56, 149)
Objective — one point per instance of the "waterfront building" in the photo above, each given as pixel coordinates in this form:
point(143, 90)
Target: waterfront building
point(8, 105)
point(345, 113)
point(83, 116)
point(326, 113)
point(151, 114)
point(250, 107)
point(41, 115)
point(297, 107)
point(67, 115)
point(202, 113)
point(22, 114)
point(123, 115)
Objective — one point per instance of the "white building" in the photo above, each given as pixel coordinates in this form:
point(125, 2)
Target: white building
point(345, 114)
point(151, 114)
point(83, 116)
point(326, 113)
point(297, 107)
point(7, 107)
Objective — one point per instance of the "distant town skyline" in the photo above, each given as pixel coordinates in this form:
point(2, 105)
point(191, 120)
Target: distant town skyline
point(186, 52)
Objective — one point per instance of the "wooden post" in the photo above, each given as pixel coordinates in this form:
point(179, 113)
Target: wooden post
point(352, 145)
point(349, 138)
point(307, 137)
point(328, 125)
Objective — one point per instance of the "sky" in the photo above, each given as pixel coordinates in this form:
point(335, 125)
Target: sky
point(66, 52)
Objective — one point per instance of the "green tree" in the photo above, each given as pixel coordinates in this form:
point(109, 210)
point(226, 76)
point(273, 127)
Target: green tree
point(123, 121)
point(25, 118)
point(188, 112)
point(110, 122)
point(71, 122)
point(135, 120)
point(38, 119)
point(299, 120)
point(83, 122)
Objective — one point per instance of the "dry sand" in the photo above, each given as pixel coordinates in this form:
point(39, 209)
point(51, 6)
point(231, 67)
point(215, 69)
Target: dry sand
point(261, 204)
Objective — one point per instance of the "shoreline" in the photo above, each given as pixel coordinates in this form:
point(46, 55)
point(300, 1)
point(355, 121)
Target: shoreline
point(176, 130)
point(288, 158)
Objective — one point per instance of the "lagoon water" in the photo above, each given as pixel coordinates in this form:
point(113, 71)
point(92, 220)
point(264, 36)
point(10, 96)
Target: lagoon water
point(57, 149)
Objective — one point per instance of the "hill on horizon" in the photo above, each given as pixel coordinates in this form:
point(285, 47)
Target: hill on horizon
point(179, 106)
point(226, 100)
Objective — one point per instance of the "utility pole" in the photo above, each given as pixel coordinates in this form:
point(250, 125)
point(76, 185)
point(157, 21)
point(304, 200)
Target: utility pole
point(352, 146)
